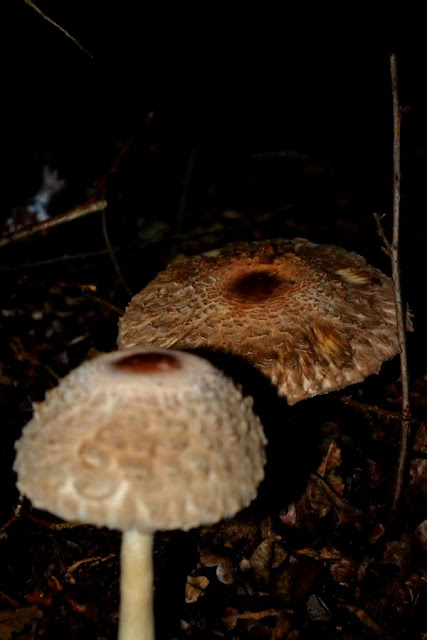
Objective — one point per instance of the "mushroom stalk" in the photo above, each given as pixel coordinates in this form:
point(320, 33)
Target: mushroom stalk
point(136, 586)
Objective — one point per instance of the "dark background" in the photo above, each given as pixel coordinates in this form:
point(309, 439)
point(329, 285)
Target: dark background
point(311, 91)
point(221, 88)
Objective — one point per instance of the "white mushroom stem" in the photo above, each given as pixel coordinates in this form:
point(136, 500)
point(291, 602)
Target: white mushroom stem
point(136, 586)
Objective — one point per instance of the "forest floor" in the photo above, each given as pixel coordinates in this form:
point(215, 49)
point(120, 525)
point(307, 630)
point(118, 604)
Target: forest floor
point(316, 553)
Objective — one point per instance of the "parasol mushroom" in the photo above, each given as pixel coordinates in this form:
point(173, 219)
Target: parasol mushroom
point(139, 441)
point(313, 318)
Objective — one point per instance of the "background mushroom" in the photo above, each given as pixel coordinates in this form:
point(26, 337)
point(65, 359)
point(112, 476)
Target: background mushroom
point(313, 318)
point(141, 441)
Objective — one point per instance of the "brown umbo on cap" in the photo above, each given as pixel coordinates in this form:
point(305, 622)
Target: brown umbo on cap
point(313, 318)
point(143, 439)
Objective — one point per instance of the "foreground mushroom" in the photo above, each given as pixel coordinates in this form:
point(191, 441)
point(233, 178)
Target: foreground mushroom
point(141, 441)
point(313, 318)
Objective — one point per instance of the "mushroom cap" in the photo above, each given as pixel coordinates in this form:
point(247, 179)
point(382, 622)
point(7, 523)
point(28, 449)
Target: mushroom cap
point(313, 318)
point(144, 439)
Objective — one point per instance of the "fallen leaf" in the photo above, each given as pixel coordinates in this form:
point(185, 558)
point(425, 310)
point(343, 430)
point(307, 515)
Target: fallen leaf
point(13, 621)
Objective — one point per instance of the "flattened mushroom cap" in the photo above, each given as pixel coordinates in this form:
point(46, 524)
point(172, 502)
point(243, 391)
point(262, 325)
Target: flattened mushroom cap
point(143, 439)
point(313, 318)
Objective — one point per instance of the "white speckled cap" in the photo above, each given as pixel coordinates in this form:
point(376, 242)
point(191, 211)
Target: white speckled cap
point(143, 438)
point(313, 318)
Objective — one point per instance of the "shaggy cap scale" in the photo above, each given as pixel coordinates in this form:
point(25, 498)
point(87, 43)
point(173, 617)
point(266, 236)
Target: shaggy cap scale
point(313, 318)
point(146, 439)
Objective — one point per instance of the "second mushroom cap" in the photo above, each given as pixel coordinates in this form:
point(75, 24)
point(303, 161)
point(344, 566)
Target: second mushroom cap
point(313, 318)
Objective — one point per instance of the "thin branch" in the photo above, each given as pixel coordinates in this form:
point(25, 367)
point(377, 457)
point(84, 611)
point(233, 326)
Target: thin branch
point(367, 621)
point(101, 185)
point(88, 291)
point(112, 255)
point(93, 561)
point(38, 519)
point(78, 212)
point(400, 309)
point(382, 413)
point(112, 307)
point(344, 509)
point(100, 188)
point(213, 230)
point(380, 229)
point(16, 515)
point(57, 26)
point(83, 256)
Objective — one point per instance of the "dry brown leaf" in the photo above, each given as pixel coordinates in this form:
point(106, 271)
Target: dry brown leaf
point(195, 587)
point(14, 621)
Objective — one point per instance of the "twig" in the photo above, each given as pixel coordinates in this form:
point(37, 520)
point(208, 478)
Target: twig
point(57, 26)
point(213, 230)
point(387, 246)
point(50, 524)
point(88, 291)
point(16, 515)
point(346, 511)
point(384, 413)
point(112, 307)
point(112, 255)
point(92, 561)
point(80, 211)
point(400, 310)
point(8, 600)
point(58, 259)
point(101, 185)
point(367, 621)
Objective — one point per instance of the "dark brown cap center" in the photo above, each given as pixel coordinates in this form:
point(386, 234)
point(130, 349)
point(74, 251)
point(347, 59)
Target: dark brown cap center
point(150, 362)
point(257, 286)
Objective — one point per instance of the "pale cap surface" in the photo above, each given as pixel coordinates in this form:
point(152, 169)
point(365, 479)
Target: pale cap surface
point(145, 439)
point(313, 318)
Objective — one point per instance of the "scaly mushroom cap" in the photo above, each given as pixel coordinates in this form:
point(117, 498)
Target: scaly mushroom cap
point(142, 439)
point(313, 318)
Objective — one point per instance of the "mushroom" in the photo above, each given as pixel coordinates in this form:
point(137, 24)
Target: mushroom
point(139, 441)
point(313, 318)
